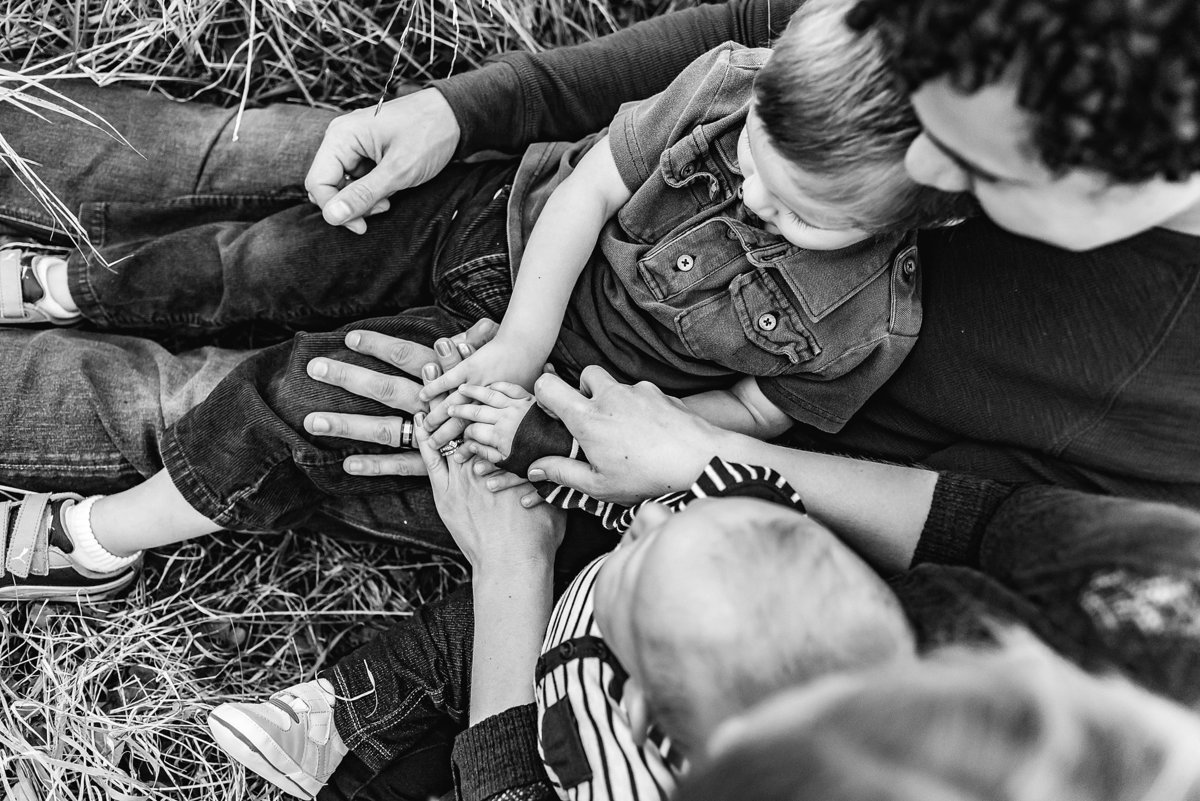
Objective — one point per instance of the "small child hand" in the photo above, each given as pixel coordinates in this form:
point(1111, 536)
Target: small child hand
point(493, 418)
point(498, 360)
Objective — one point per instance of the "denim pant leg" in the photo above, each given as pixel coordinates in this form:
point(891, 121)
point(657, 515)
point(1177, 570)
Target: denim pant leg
point(201, 264)
point(408, 679)
point(243, 459)
point(1109, 583)
point(174, 150)
point(86, 412)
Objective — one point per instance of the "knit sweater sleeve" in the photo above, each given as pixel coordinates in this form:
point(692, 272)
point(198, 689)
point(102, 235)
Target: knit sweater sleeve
point(562, 94)
point(959, 515)
point(497, 759)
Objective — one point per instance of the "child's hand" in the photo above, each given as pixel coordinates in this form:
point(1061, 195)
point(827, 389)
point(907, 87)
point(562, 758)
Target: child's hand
point(494, 530)
point(494, 416)
point(498, 360)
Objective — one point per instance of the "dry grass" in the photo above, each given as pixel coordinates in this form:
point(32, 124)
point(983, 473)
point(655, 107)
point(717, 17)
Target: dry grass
point(108, 702)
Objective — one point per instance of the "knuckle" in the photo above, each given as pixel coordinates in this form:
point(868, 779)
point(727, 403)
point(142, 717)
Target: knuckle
point(383, 388)
point(385, 434)
point(399, 353)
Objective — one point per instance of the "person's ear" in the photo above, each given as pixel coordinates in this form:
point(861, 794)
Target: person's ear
point(639, 711)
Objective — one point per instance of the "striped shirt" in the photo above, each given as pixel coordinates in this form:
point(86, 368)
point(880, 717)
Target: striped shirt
point(584, 736)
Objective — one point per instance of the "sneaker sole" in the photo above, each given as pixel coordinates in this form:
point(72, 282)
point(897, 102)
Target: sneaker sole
point(101, 591)
point(245, 741)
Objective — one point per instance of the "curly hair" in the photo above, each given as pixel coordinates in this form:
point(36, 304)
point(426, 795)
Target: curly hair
point(1112, 85)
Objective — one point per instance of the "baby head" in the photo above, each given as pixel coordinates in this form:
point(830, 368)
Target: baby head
point(823, 148)
point(713, 608)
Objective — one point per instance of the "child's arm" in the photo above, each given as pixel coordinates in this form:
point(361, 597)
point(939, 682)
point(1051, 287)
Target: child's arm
point(743, 409)
point(559, 246)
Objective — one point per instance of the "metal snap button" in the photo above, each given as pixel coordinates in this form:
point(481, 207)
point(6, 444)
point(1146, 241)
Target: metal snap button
point(688, 169)
point(739, 191)
point(909, 265)
point(685, 263)
point(767, 321)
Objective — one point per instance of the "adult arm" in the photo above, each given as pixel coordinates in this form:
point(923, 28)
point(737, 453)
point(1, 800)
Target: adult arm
point(511, 552)
point(516, 99)
point(1109, 582)
point(641, 443)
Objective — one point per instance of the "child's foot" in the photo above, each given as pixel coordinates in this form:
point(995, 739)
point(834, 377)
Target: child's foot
point(290, 740)
point(47, 552)
point(33, 286)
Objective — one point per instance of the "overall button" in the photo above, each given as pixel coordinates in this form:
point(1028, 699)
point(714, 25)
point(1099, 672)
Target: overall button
point(685, 263)
point(909, 266)
point(767, 321)
point(688, 170)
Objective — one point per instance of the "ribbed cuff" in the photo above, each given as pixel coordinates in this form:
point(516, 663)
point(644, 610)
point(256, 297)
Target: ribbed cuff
point(497, 754)
point(962, 507)
point(482, 104)
point(538, 435)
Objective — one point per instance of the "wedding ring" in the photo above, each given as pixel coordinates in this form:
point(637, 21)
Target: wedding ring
point(450, 447)
point(406, 434)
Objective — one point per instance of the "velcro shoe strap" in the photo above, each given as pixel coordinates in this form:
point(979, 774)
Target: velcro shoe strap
point(12, 296)
point(319, 715)
point(5, 508)
point(28, 546)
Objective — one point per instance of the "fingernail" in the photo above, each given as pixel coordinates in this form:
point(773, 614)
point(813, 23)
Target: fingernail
point(429, 372)
point(419, 419)
point(317, 368)
point(443, 347)
point(492, 483)
point(353, 338)
point(354, 466)
point(527, 502)
point(319, 425)
point(537, 474)
point(337, 212)
point(464, 349)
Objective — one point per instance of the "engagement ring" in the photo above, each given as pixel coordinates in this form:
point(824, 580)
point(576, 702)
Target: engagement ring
point(450, 447)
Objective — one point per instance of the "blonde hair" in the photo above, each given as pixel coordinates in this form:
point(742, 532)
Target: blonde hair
point(789, 603)
point(1014, 724)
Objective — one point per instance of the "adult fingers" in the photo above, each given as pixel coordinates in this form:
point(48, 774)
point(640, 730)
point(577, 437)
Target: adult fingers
point(561, 400)
point(569, 472)
point(447, 353)
point(593, 379)
point(390, 390)
point(531, 499)
point(379, 429)
point(400, 353)
point(409, 463)
point(435, 465)
point(451, 429)
point(356, 199)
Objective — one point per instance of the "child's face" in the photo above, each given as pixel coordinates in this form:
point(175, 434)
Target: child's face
point(782, 195)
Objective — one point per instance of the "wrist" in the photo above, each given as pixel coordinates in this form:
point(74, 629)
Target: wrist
point(513, 573)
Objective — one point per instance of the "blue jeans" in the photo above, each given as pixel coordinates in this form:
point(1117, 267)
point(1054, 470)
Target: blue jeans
point(90, 411)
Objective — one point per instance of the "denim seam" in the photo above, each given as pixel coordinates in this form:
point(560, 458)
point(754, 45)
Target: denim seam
point(1084, 427)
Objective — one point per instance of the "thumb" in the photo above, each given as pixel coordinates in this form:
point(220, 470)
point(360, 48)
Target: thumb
point(561, 400)
point(566, 471)
point(356, 199)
